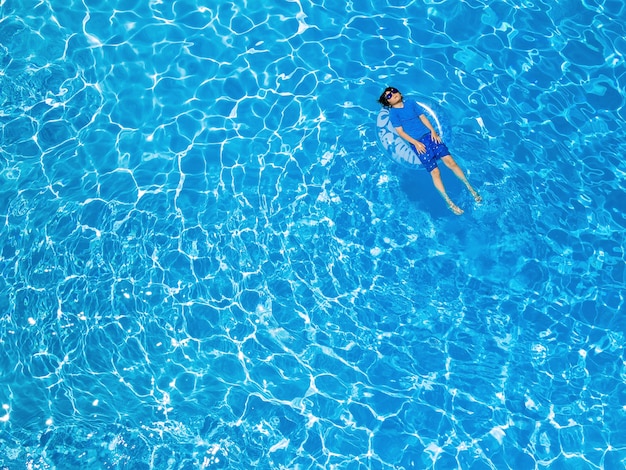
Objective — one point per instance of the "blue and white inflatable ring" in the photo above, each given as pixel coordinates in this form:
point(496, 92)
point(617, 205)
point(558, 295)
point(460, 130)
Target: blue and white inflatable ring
point(398, 149)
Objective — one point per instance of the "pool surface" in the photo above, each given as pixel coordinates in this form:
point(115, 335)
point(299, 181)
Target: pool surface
point(207, 261)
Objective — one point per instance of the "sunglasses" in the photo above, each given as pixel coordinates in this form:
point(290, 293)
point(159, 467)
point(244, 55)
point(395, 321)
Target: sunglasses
point(391, 92)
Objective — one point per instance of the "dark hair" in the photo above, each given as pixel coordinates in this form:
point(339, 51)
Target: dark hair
point(383, 100)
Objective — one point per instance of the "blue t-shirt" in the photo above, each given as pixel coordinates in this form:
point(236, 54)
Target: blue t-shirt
point(408, 118)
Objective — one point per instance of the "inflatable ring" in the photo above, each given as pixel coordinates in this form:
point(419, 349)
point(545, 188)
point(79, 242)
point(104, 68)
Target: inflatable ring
point(398, 149)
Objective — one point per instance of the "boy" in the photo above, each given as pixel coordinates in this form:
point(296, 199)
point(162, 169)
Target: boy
point(410, 121)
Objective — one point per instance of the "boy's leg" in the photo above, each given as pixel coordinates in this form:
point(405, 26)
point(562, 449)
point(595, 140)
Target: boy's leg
point(456, 169)
point(436, 176)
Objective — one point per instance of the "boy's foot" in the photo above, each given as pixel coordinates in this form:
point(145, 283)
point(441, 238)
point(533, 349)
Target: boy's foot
point(454, 208)
point(477, 197)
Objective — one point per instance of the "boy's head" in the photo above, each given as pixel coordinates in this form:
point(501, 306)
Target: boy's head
point(387, 94)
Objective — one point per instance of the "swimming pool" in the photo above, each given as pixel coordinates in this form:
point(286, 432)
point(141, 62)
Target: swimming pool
point(207, 261)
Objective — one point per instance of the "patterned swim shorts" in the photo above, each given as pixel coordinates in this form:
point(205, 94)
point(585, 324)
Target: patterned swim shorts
point(434, 151)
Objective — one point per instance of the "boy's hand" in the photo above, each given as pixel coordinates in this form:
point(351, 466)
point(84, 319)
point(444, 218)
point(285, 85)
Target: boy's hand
point(435, 137)
point(421, 148)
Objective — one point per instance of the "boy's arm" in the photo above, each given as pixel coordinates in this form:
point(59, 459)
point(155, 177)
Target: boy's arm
point(421, 148)
point(433, 132)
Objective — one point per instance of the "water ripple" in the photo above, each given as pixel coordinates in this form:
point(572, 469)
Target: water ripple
point(207, 262)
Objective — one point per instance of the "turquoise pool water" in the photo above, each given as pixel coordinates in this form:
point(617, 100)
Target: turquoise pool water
point(208, 262)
